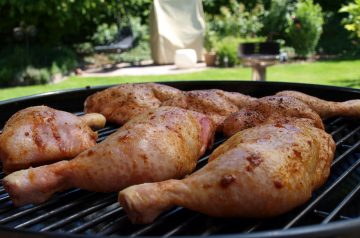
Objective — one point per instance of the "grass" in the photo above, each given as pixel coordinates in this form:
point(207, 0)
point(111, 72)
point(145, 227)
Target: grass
point(339, 73)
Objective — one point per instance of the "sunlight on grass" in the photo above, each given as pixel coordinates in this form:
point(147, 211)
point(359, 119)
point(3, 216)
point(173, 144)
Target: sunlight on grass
point(339, 73)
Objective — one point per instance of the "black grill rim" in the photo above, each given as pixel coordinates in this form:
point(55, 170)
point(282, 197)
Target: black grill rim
point(349, 227)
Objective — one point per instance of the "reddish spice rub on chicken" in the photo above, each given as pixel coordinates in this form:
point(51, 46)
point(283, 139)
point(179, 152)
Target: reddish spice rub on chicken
point(120, 103)
point(40, 135)
point(267, 109)
point(157, 145)
point(277, 155)
point(259, 172)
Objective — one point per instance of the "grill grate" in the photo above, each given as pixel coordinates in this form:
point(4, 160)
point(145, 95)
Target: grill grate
point(333, 209)
point(80, 212)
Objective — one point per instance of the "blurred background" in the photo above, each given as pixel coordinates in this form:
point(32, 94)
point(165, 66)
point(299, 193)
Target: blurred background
point(62, 44)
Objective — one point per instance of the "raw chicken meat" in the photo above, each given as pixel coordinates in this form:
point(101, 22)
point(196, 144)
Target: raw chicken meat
point(120, 103)
point(40, 135)
point(259, 172)
point(155, 146)
point(215, 103)
point(324, 108)
point(268, 109)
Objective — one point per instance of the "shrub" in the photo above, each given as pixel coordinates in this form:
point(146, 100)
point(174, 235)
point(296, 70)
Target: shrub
point(24, 65)
point(31, 76)
point(105, 34)
point(352, 21)
point(276, 19)
point(305, 27)
point(209, 40)
point(235, 20)
point(227, 49)
point(135, 55)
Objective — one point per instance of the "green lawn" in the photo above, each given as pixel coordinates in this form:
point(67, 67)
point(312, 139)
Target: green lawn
point(340, 73)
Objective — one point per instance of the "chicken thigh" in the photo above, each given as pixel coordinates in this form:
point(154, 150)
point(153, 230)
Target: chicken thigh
point(325, 108)
point(268, 109)
point(215, 103)
point(155, 146)
point(259, 172)
point(121, 103)
point(40, 135)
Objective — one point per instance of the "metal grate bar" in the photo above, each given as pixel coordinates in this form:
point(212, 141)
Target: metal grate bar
point(55, 211)
point(113, 226)
point(337, 120)
point(104, 129)
point(340, 128)
point(181, 226)
point(158, 222)
point(213, 229)
point(348, 136)
point(312, 204)
point(342, 205)
point(95, 221)
point(346, 153)
point(325, 214)
point(104, 203)
point(254, 227)
point(4, 198)
point(35, 208)
point(105, 134)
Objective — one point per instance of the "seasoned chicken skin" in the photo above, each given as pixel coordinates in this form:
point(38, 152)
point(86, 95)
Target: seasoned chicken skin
point(155, 146)
point(268, 109)
point(260, 172)
point(215, 103)
point(40, 135)
point(120, 103)
point(325, 108)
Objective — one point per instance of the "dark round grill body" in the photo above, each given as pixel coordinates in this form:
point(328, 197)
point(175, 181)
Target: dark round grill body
point(333, 210)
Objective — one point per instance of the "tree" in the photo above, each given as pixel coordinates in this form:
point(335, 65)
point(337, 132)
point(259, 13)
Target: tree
point(352, 21)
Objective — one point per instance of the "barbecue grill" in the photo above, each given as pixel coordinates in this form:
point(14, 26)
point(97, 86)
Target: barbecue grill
point(333, 210)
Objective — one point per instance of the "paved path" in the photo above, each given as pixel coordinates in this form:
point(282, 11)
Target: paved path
point(122, 70)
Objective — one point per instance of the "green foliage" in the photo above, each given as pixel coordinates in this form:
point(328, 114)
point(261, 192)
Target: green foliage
point(227, 49)
point(276, 19)
point(212, 7)
point(31, 76)
point(57, 21)
point(24, 66)
point(235, 20)
point(105, 34)
point(305, 27)
point(140, 30)
point(135, 55)
point(209, 40)
point(84, 48)
point(352, 21)
point(226, 53)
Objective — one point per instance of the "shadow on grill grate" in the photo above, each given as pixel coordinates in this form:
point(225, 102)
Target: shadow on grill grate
point(81, 212)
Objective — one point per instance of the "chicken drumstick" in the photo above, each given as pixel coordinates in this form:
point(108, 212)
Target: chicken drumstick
point(260, 172)
point(154, 146)
point(39, 135)
point(325, 108)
